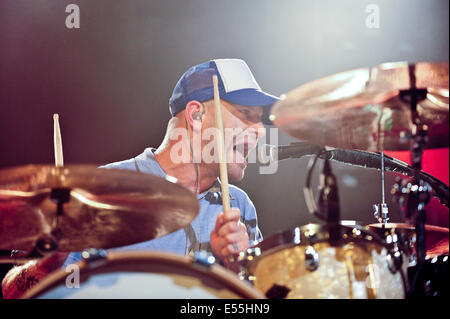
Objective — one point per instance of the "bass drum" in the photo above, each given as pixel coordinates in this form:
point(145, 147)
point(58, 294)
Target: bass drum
point(150, 275)
point(305, 263)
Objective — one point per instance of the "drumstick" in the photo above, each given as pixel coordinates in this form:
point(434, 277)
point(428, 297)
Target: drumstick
point(221, 149)
point(57, 142)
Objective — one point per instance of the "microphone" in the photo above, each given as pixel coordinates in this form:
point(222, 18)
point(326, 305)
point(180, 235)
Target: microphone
point(354, 158)
point(294, 150)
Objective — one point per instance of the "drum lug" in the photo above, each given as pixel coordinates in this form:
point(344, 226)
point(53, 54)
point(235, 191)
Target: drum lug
point(204, 258)
point(394, 261)
point(244, 275)
point(311, 258)
point(394, 257)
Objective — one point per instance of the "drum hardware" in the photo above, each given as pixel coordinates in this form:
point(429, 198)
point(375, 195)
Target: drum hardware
point(204, 258)
point(413, 198)
point(381, 211)
point(394, 258)
point(311, 258)
point(49, 242)
point(94, 257)
point(244, 258)
point(416, 194)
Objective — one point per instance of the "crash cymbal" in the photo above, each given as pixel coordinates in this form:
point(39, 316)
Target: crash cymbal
point(107, 207)
point(436, 237)
point(363, 109)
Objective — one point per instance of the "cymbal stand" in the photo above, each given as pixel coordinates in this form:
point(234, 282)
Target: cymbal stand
point(414, 195)
point(49, 242)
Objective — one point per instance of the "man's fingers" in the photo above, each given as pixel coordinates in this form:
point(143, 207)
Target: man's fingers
point(231, 227)
point(218, 222)
point(234, 249)
point(233, 238)
point(233, 215)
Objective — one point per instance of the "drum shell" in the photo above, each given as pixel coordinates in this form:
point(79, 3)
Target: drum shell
point(356, 266)
point(144, 274)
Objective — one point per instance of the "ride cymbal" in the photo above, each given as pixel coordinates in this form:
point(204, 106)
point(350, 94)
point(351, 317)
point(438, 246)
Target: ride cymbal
point(365, 109)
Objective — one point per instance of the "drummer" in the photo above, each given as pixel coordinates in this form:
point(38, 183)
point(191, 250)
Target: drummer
point(185, 154)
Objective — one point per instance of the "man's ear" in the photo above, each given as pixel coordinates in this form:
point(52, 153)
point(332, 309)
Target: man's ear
point(194, 113)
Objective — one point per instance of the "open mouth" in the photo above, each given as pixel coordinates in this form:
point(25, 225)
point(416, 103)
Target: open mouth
point(240, 153)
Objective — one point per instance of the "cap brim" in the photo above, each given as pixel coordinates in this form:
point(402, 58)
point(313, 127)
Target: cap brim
point(253, 97)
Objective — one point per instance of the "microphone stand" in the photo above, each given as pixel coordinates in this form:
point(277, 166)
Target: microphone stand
point(328, 203)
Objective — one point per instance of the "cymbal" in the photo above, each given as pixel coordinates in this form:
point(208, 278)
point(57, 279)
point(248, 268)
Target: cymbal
point(107, 207)
point(362, 108)
point(436, 237)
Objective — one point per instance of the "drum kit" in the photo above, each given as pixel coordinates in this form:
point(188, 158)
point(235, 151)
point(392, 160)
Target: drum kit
point(353, 115)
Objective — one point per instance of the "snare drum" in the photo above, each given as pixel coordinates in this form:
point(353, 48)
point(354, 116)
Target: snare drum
point(142, 274)
point(305, 263)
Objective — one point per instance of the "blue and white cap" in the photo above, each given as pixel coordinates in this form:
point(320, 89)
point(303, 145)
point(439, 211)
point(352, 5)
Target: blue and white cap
point(236, 85)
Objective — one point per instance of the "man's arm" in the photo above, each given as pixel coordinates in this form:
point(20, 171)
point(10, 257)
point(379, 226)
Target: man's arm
point(21, 278)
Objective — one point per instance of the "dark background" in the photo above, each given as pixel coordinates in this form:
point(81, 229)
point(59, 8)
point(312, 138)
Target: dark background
point(110, 80)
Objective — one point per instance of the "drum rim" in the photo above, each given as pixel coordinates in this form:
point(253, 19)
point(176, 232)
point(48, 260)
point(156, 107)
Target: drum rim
point(214, 272)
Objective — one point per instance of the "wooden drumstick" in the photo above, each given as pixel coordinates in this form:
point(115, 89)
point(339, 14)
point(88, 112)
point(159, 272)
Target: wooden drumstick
point(57, 141)
point(221, 149)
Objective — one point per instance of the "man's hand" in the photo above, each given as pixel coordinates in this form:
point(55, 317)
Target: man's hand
point(229, 238)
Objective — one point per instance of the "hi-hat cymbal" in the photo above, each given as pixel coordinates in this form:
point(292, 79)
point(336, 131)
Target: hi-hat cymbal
point(107, 207)
point(362, 109)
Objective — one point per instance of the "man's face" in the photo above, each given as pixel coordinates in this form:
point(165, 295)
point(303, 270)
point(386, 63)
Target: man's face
point(242, 128)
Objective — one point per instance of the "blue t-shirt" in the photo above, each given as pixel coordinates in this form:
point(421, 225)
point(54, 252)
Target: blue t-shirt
point(196, 236)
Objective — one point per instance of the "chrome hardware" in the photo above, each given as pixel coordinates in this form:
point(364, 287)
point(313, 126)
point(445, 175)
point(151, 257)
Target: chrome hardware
point(311, 259)
point(394, 261)
point(381, 213)
point(395, 256)
point(204, 258)
point(94, 257)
